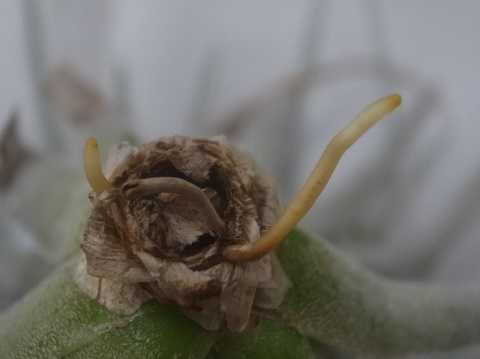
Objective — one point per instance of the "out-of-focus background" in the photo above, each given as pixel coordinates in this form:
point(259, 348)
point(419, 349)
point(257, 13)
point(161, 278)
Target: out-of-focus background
point(278, 78)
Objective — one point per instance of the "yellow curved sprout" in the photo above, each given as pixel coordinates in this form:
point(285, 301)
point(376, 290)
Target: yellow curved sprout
point(316, 182)
point(93, 167)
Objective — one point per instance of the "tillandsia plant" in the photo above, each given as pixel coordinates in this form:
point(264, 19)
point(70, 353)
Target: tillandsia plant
point(186, 254)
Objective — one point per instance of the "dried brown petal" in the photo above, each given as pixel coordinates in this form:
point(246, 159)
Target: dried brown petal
point(271, 295)
point(149, 233)
point(105, 254)
point(118, 296)
point(236, 300)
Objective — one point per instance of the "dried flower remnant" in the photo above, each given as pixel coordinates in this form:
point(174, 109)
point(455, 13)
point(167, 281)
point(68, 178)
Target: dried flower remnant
point(191, 221)
point(162, 216)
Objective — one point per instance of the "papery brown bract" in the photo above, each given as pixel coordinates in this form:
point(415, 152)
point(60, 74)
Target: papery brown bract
point(163, 245)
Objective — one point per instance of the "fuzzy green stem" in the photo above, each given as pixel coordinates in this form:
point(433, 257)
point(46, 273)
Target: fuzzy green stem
point(339, 303)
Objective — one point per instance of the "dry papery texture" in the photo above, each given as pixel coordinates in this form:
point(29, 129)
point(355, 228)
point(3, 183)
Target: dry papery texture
point(160, 230)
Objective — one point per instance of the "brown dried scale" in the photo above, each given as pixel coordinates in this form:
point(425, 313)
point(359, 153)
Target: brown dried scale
point(160, 221)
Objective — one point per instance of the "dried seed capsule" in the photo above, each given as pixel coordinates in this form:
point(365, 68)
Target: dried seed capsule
point(182, 219)
point(159, 228)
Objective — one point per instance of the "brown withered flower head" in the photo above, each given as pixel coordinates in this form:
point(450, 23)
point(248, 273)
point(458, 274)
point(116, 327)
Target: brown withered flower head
point(191, 221)
point(161, 220)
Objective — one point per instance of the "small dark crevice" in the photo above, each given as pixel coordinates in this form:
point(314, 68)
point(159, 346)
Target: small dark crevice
point(199, 245)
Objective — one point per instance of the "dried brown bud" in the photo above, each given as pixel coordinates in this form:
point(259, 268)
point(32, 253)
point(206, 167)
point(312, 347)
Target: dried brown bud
point(160, 229)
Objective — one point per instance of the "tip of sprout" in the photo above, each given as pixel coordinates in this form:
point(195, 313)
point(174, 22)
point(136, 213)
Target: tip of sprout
point(395, 99)
point(316, 182)
point(93, 167)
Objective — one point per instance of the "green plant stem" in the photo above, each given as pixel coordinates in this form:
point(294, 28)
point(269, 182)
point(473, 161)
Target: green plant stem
point(56, 320)
point(339, 303)
point(332, 301)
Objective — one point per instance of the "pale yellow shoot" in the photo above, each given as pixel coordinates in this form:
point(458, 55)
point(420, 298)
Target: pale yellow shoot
point(93, 167)
point(316, 182)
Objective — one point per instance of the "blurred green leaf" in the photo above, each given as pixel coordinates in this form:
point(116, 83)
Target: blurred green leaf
point(56, 320)
point(270, 339)
point(333, 301)
point(339, 303)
